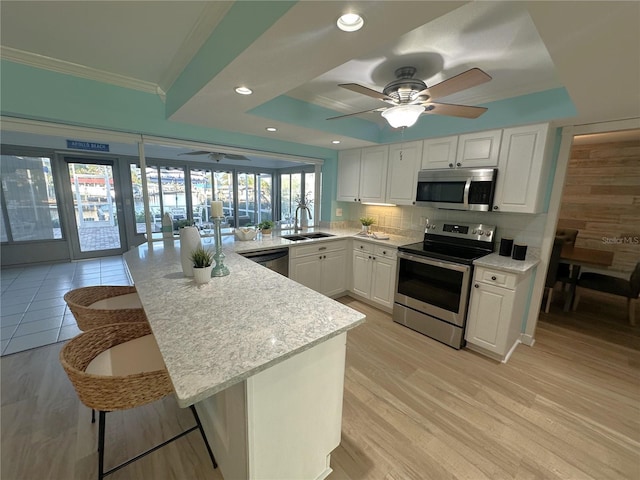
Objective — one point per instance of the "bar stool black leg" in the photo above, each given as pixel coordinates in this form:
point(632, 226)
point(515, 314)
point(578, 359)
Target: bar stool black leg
point(206, 442)
point(93, 415)
point(101, 422)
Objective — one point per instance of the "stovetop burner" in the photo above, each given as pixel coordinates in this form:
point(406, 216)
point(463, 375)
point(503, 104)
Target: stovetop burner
point(459, 243)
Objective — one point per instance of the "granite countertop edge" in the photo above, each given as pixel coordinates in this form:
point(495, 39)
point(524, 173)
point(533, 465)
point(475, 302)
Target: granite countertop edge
point(508, 264)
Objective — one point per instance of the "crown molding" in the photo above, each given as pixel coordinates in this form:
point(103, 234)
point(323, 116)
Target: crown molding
point(76, 70)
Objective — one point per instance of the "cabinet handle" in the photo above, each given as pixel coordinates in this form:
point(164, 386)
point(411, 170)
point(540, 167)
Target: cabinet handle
point(361, 246)
point(495, 207)
point(355, 199)
point(324, 256)
point(451, 165)
point(459, 164)
point(320, 257)
point(322, 248)
point(374, 258)
point(384, 252)
point(477, 286)
point(494, 278)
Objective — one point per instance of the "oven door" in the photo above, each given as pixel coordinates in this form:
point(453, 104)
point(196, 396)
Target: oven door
point(435, 287)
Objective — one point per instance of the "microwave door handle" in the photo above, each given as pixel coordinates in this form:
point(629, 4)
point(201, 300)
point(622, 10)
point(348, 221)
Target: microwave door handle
point(467, 187)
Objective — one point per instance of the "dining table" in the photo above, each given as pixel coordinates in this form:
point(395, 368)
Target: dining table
point(578, 257)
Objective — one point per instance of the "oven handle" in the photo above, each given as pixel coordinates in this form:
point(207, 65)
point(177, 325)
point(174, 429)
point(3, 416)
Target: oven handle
point(467, 187)
point(435, 263)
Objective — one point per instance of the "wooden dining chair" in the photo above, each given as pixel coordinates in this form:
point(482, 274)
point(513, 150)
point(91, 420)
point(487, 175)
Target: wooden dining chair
point(614, 285)
point(568, 236)
point(118, 367)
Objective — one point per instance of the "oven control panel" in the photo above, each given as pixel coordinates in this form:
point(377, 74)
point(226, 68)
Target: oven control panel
point(477, 231)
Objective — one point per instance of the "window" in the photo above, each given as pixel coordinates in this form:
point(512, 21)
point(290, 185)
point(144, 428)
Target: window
point(296, 187)
point(28, 193)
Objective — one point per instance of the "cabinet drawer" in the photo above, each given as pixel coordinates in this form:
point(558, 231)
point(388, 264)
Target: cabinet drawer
point(317, 247)
point(361, 246)
point(496, 277)
point(385, 252)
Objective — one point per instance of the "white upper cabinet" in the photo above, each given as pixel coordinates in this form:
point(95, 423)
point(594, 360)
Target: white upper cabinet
point(402, 178)
point(373, 174)
point(523, 169)
point(439, 153)
point(349, 175)
point(471, 150)
point(362, 175)
point(479, 149)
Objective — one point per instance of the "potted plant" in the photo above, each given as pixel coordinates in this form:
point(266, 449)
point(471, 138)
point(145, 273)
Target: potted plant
point(367, 222)
point(265, 226)
point(202, 264)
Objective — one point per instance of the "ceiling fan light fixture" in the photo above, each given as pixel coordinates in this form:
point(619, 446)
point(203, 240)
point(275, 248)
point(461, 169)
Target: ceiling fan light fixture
point(244, 91)
point(403, 115)
point(271, 129)
point(350, 22)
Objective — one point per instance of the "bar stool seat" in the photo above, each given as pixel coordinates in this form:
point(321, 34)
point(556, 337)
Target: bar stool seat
point(96, 306)
point(118, 367)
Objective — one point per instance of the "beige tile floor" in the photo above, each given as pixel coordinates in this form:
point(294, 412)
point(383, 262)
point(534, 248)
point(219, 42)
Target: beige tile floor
point(33, 312)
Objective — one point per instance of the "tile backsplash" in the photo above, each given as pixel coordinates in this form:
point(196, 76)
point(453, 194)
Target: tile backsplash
point(410, 221)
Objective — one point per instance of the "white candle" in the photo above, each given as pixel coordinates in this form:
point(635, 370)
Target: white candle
point(216, 209)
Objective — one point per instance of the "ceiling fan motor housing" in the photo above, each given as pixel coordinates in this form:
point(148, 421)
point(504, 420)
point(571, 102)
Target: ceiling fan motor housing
point(405, 88)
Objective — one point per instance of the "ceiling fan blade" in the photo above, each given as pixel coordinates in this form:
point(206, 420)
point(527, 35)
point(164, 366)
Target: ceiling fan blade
point(354, 87)
point(460, 82)
point(195, 153)
point(357, 113)
point(233, 156)
point(464, 111)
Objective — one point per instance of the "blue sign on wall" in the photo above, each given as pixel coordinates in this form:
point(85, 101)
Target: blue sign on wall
point(95, 147)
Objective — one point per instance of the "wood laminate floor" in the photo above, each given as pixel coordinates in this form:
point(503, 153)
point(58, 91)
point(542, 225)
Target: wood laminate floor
point(567, 408)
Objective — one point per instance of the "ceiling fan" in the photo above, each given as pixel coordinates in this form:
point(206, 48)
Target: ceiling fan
point(410, 97)
point(217, 156)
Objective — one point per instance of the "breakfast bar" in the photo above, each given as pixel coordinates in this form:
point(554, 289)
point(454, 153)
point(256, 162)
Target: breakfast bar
point(259, 355)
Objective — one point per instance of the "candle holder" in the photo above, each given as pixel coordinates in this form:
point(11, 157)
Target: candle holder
point(220, 270)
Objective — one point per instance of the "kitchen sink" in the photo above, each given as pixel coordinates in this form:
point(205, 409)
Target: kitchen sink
point(295, 238)
point(316, 235)
point(307, 236)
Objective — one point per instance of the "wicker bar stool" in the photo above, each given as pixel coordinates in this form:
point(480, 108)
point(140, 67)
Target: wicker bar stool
point(118, 367)
point(103, 305)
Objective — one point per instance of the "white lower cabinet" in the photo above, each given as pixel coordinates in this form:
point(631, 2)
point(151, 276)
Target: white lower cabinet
point(496, 311)
point(374, 273)
point(321, 266)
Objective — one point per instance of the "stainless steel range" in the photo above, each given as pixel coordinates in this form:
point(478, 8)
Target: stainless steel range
point(434, 279)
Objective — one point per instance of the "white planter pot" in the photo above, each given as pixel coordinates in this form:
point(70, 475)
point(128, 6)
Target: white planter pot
point(202, 275)
point(189, 241)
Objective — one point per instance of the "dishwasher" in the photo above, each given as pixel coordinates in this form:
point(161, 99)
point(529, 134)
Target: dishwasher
point(276, 260)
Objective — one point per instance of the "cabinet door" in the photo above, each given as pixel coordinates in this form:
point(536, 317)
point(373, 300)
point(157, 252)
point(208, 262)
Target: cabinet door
point(479, 149)
point(307, 271)
point(523, 170)
point(439, 153)
point(373, 174)
point(489, 317)
point(361, 274)
point(383, 281)
point(334, 273)
point(404, 164)
point(349, 175)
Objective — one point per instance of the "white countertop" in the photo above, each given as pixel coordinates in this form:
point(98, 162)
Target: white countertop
point(275, 240)
point(508, 264)
point(215, 335)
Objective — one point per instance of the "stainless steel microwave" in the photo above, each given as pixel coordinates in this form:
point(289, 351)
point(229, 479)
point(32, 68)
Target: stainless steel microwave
point(457, 189)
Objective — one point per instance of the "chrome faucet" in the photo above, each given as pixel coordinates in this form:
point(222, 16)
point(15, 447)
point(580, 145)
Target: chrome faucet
point(296, 229)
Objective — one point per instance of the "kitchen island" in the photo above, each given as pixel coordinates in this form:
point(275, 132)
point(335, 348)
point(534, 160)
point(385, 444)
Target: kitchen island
point(260, 356)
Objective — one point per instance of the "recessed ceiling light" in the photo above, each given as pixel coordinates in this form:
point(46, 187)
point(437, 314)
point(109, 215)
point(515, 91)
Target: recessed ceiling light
point(335, 142)
point(350, 22)
point(271, 129)
point(244, 91)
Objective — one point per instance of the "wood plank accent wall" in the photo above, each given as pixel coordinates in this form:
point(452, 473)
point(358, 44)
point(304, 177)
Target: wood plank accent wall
point(601, 199)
